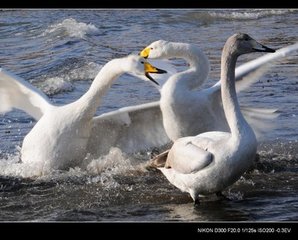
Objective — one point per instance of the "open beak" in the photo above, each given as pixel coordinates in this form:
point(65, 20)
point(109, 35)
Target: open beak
point(151, 69)
point(145, 53)
point(261, 48)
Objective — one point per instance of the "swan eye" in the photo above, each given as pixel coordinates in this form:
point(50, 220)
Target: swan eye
point(142, 62)
point(151, 48)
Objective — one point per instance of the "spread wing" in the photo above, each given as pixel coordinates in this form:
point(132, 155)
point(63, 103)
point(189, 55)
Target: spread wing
point(132, 129)
point(260, 119)
point(250, 72)
point(15, 92)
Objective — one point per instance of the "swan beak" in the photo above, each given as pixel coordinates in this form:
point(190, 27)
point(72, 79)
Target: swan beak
point(151, 69)
point(145, 53)
point(261, 48)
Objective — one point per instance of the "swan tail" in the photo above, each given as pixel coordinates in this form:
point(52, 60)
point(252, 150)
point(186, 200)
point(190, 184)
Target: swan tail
point(159, 160)
point(261, 120)
point(15, 92)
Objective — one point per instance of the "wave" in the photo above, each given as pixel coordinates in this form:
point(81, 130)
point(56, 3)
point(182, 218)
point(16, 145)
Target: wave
point(252, 14)
point(238, 14)
point(64, 78)
point(55, 85)
point(71, 28)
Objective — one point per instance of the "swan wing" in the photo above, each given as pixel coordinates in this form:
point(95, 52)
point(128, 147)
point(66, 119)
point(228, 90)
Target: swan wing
point(191, 154)
point(132, 129)
point(15, 92)
point(250, 72)
point(260, 119)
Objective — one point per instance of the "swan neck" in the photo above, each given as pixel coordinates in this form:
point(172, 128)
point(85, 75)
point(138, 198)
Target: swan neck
point(231, 106)
point(197, 60)
point(102, 82)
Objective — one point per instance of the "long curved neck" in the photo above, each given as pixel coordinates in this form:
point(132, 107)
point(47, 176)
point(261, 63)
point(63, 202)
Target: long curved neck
point(231, 107)
point(90, 101)
point(197, 60)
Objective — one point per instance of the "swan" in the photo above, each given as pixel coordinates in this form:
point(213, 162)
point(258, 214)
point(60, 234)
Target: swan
point(60, 137)
point(187, 112)
point(211, 161)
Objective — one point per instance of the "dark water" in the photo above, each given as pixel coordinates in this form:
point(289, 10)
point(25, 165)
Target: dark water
point(61, 51)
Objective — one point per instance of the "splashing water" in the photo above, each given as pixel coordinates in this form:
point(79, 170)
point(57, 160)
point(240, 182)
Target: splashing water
point(56, 85)
point(72, 28)
point(11, 166)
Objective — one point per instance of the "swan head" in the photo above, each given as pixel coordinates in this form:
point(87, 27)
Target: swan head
point(242, 43)
point(157, 49)
point(138, 65)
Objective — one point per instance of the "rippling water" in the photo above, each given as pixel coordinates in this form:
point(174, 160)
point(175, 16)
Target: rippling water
point(61, 51)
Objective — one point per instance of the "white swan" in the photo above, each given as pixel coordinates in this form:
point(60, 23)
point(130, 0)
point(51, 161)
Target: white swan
point(187, 111)
point(59, 139)
point(211, 161)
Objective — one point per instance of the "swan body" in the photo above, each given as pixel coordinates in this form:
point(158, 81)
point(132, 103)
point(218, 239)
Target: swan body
point(211, 161)
point(60, 137)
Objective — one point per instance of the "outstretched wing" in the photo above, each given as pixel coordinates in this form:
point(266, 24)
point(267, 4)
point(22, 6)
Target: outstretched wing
point(250, 72)
point(260, 119)
point(251, 66)
point(132, 129)
point(15, 92)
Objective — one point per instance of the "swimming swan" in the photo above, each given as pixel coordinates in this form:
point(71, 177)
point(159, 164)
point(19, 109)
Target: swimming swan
point(59, 139)
point(211, 161)
point(187, 111)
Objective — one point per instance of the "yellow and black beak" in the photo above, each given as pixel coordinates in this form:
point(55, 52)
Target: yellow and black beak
point(145, 52)
point(151, 69)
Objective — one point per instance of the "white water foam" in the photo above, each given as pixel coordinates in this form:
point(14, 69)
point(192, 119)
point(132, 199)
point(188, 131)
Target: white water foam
point(99, 170)
point(114, 162)
point(63, 82)
point(56, 85)
point(72, 28)
point(106, 167)
point(11, 166)
point(85, 72)
point(252, 14)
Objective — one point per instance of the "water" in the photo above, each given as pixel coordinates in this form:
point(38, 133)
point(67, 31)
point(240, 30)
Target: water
point(61, 51)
